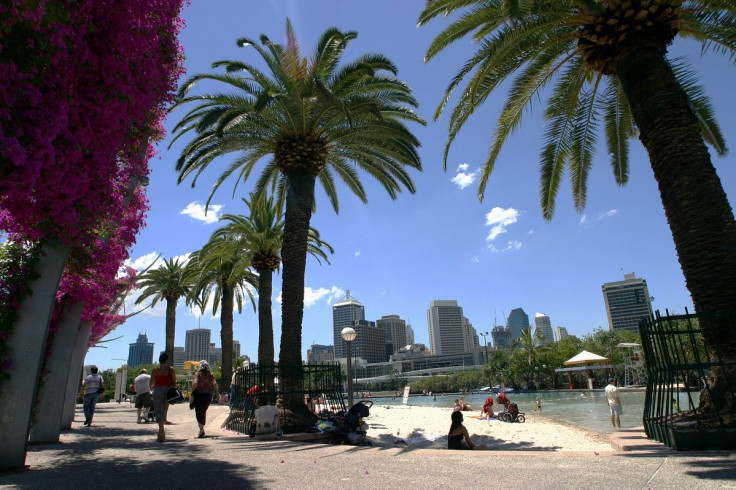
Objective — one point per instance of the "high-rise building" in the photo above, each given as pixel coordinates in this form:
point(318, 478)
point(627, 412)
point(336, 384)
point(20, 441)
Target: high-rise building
point(543, 329)
point(395, 332)
point(517, 321)
point(445, 322)
point(501, 337)
point(197, 344)
point(344, 314)
point(140, 352)
point(236, 349)
point(470, 336)
point(179, 357)
point(561, 333)
point(627, 302)
point(320, 354)
point(370, 342)
point(214, 354)
point(409, 335)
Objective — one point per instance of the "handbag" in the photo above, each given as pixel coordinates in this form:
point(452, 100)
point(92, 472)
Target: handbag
point(173, 396)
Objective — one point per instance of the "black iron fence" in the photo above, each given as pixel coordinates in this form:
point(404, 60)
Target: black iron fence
point(679, 364)
point(318, 387)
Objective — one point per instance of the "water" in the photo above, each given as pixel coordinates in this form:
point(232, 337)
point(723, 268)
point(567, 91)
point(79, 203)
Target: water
point(589, 412)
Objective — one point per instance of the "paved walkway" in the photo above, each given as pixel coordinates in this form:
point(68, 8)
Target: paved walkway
point(118, 452)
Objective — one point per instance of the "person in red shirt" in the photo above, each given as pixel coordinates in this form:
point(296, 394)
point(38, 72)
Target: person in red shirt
point(487, 410)
point(502, 399)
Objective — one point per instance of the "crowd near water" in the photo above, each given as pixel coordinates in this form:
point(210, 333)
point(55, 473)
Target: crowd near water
point(586, 409)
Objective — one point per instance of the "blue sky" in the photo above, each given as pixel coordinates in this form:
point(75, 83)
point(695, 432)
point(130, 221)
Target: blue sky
point(440, 243)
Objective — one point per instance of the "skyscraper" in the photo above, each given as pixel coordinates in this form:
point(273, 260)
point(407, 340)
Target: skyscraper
point(409, 335)
point(320, 354)
point(445, 323)
point(344, 314)
point(236, 349)
point(179, 357)
point(560, 333)
point(470, 336)
point(517, 321)
point(140, 352)
point(214, 354)
point(370, 342)
point(197, 344)
point(543, 328)
point(627, 302)
point(395, 332)
point(501, 337)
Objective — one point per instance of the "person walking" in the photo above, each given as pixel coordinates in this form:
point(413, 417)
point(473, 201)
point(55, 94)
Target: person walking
point(202, 389)
point(93, 387)
point(162, 378)
point(142, 385)
point(614, 403)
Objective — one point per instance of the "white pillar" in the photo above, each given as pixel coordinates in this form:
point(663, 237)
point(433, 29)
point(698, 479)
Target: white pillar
point(75, 375)
point(47, 422)
point(18, 393)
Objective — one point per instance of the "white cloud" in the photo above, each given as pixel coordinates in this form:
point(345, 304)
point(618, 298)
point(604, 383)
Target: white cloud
point(499, 219)
point(313, 296)
point(475, 259)
point(462, 177)
point(356, 254)
point(197, 211)
point(143, 261)
point(463, 167)
point(608, 214)
point(510, 246)
point(583, 219)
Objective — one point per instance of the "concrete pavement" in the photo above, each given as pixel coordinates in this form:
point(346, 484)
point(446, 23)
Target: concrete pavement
point(118, 452)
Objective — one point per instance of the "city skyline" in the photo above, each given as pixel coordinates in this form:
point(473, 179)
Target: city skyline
point(397, 256)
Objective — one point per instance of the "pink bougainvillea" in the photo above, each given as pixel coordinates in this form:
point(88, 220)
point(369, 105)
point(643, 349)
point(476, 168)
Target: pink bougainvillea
point(84, 92)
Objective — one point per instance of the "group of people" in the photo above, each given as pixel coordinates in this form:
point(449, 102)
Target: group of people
point(501, 399)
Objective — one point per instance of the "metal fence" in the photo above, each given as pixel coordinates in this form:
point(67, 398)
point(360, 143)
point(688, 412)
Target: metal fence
point(679, 363)
point(319, 386)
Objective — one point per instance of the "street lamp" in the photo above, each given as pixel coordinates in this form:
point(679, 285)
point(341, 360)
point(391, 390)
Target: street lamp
point(348, 335)
point(485, 339)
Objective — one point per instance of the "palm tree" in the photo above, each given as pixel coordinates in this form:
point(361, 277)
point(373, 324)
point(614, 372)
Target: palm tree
point(608, 58)
point(167, 282)
point(260, 233)
point(222, 273)
point(528, 343)
point(308, 120)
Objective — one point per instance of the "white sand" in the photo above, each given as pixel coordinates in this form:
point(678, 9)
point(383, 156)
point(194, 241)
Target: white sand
point(426, 427)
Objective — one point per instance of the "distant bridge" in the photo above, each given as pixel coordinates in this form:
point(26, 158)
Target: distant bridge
point(420, 374)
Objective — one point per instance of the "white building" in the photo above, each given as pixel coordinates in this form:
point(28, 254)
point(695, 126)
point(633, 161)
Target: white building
point(445, 323)
point(543, 329)
point(627, 302)
point(561, 333)
point(197, 344)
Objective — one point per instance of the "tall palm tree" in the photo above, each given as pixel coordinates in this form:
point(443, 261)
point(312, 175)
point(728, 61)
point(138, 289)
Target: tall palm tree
point(260, 233)
point(608, 58)
point(307, 120)
point(167, 282)
point(222, 273)
point(528, 343)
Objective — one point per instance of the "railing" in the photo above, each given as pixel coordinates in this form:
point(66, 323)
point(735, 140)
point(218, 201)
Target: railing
point(322, 383)
point(679, 363)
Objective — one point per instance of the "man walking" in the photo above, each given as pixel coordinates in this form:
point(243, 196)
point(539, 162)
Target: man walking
point(93, 387)
point(614, 403)
point(143, 394)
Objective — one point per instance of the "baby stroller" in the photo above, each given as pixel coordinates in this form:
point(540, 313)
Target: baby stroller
point(353, 430)
point(512, 414)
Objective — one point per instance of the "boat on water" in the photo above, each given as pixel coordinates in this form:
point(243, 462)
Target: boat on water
point(500, 388)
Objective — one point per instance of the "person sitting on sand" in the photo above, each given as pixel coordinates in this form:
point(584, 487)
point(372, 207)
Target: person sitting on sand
point(487, 410)
point(458, 432)
point(466, 405)
point(458, 405)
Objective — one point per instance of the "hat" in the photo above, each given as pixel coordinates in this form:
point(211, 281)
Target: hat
point(611, 380)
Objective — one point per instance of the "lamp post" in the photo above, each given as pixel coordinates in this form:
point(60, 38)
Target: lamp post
point(485, 339)
point(348, 335)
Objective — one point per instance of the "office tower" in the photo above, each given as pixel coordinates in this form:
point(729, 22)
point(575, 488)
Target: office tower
point(197, 344)
point(409, 335)
point(179, 357)
point(370, 342)
point(395, 332)
point(627, 302)
point(517, 321)
point(561, 333)
point(236, 349)
point(344, 314)
point(501, 337)
point(470, 336)
point(543, 329)
point(445, 324)
point(320, 354)
point(214, 354)
point(140, 352)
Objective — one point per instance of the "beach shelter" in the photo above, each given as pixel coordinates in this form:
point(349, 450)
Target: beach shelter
point(586, 361)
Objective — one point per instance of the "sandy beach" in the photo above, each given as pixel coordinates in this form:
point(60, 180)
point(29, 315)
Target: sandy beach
point(427, 427)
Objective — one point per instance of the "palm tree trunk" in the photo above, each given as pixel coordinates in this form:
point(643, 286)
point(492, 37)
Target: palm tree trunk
point(265, 318)
point(697, 209)
point(226, 330)
point(170, 327)
point(294, 259)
